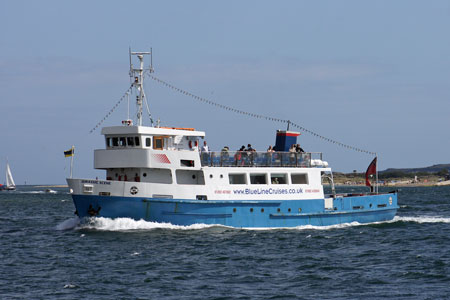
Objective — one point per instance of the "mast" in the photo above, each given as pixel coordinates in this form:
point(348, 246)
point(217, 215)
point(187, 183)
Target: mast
point(137, 77)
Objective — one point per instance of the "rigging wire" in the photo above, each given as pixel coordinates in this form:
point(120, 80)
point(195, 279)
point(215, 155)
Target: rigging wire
point(113, 109)
point(258, 116)
point(148, 109)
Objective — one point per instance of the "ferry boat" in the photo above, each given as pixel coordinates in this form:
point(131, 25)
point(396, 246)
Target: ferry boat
point(159, 174)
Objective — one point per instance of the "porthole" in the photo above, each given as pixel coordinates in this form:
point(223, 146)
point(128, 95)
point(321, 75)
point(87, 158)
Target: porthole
point(251, 209)
point(299, 209)
point(193, 176)
point(262, 210)
point(278, 209)
point(210, 175)
point(289, 210)
point(234, 209)
point(370, 205)
point(145, 174)
point(221, 175)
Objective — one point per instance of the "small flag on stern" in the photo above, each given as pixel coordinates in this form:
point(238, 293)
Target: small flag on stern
point(70, 152)
point(371, 170)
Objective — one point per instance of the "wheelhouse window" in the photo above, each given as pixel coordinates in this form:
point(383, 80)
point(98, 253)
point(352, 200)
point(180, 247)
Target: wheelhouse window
point(278, 178)
point(158, 142)
point(148, 142)
point(237, 178)
point(122, 142)
point(258, 178)
point(137, 141)
point(297, 178)
point(108, 142)
point(115, 142)
point(130, 141)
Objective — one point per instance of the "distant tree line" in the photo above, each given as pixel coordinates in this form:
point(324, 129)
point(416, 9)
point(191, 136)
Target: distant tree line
point(401, 174)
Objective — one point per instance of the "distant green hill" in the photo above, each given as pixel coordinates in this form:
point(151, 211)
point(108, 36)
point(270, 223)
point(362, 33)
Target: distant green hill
point(431, 169)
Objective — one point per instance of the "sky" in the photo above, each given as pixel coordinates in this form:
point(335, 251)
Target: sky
point(370, 74)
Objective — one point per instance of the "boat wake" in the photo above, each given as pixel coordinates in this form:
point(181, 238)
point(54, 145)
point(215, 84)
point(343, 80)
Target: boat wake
point(422, 219)
point(127, 224)
point(124, 224)
point(68, 224)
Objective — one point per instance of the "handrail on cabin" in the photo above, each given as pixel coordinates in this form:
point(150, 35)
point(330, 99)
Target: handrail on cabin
point(261, 159)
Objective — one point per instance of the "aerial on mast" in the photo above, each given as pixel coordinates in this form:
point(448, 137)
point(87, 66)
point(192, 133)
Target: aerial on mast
point(137, 78)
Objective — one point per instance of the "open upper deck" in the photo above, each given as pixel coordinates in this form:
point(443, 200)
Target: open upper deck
point(262, 159)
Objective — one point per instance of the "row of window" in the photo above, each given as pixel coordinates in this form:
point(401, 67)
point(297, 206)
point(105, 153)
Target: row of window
point(196, 177)
point(262, 178)
point(135, 141)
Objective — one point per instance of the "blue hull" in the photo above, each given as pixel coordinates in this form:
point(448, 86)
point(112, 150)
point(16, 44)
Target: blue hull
point(257, 213)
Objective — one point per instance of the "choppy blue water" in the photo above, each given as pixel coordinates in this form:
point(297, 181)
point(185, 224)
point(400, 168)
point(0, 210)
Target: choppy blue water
point(43, 256)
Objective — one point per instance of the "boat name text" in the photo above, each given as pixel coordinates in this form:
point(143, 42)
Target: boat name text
point(96, 182)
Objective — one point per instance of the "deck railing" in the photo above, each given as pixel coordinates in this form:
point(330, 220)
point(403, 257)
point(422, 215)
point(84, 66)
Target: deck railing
point(258, 159)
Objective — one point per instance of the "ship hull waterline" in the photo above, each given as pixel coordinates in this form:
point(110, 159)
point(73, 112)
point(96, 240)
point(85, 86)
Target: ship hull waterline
point(241, 213)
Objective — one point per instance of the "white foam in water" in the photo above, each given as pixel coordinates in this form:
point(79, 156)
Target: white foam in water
point(309, 227)
point(124, 224)
point(422, 219)
point(70, 286)
point(68, 224)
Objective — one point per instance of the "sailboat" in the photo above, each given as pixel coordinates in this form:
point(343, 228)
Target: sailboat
point(10, 185)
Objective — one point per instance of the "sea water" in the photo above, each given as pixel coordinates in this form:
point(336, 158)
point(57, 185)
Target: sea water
point(45, 253)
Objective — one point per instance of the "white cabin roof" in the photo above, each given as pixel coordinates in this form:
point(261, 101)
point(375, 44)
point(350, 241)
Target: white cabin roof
point(150, 131)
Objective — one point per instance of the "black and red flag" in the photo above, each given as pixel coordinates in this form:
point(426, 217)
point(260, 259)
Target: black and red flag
point(371, 170)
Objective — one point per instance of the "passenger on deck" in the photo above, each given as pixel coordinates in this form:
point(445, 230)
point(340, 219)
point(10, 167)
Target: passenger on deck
point(292, 154)
point(270, 152)
point(205, 153)
point(299, 149)
point(239, 156)
point(251, 153)
point(224, 156)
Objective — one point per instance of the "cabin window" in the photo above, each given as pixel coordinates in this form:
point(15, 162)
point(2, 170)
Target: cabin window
point(148, 142)
point(130, 141)
point(137, 141)
point(299, 178)
point(190, 177)
point(122, 142)
point(186, 163)
point(258, 178)
point(108, 142)
point(115, 142)
point(237, 178)
point(278, 178)
point(158, 142)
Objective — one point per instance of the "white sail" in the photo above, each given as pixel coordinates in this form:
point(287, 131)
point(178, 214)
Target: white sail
point(9, 178)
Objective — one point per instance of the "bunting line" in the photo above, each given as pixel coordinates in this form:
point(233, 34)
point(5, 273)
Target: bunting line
point(111, 110)
point(258, 116)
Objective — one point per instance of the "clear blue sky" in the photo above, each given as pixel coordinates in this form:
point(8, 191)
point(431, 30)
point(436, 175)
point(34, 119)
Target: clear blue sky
point(372, 74)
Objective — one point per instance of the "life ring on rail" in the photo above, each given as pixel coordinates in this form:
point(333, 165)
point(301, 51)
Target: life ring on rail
point(196, 143)
point(190, 144)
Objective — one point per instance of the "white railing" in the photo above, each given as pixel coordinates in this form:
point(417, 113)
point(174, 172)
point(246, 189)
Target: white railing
point(259, 159)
